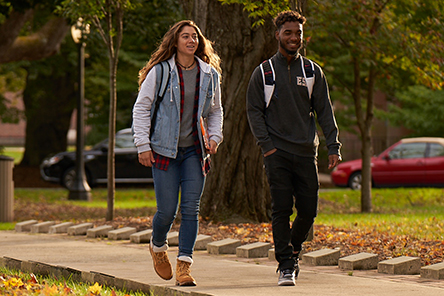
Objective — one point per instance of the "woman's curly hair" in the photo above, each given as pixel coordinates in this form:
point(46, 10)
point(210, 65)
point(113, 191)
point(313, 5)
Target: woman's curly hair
point(167, 48)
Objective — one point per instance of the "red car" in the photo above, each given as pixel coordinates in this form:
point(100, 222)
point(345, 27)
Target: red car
point(408, 163)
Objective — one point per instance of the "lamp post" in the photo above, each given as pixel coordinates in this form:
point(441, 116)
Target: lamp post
point(80, 189)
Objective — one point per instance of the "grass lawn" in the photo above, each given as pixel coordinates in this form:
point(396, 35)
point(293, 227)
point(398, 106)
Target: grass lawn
point(418, 212)
point(124, 198)
point(14, 152)
point(22, 283)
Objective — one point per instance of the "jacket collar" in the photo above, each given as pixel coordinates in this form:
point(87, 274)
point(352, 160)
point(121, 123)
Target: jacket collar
point(280, 56)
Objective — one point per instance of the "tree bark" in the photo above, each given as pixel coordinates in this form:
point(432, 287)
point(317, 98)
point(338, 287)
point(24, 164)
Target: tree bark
point(364, 122)
point(49, 101)
point(367, 147)
point(113, 52)
point(236, 188)
point(39, 45)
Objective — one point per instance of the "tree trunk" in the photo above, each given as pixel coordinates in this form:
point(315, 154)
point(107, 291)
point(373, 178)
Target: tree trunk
point(367, 148)
point(236, 188)
point(49, 101)
point(112, 139)
point(113, 51)
point(364, 122)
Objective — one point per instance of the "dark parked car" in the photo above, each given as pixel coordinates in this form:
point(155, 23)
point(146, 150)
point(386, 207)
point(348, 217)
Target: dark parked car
point(60, 168)
point(408, 163)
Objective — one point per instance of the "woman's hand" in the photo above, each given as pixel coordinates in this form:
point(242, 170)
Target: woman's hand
point(146, 158)
point(213, 147)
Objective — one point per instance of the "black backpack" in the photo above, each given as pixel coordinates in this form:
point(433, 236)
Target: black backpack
point(164, 76)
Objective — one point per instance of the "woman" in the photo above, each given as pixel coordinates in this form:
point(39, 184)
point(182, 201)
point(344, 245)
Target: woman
point(176, 149)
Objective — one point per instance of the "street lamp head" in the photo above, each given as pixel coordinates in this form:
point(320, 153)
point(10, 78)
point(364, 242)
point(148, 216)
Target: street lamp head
point(79, 31)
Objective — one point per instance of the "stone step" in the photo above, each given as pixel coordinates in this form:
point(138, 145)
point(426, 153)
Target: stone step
point(323, 257)
point(435, 271)
point(141, 237)
point(271, 254)
point(121, 233)
point(100, 231)
point(42, 227)
point(362, 261)
point(254, 250)
point(60, 228)
point(25, 226)
point(225, 246)
point(173, 238)
point(202, 241)
point(79, 229)
point(400, 265)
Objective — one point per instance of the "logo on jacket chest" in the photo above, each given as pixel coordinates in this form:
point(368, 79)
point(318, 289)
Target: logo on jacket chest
point(301, 81)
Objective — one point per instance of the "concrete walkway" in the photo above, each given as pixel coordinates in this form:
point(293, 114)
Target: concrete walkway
point(221, 275)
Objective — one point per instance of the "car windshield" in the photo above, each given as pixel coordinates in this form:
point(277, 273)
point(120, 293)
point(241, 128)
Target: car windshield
point(436, 150)
point(408, 150)
point(123, 140)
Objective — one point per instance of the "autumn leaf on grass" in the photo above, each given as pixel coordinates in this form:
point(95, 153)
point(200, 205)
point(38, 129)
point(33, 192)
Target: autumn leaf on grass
point(13, 283)
point(33, 279)
point(50, 290)
point(95, 290)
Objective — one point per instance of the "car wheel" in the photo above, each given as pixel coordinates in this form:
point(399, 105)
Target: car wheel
point(69, 176)
point(355, 181)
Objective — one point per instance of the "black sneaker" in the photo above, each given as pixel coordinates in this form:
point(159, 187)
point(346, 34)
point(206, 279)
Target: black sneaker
point(296, 268)
point(296, 263)
point(286, 277)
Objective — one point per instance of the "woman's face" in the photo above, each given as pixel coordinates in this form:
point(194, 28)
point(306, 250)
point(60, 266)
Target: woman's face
point(188, 41)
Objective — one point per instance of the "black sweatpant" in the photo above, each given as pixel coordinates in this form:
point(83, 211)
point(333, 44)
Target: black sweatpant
point(294, 181)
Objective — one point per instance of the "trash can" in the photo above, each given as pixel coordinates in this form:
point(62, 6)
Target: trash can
point(6, 189)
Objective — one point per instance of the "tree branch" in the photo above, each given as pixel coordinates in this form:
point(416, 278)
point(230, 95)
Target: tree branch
point(10, 29)
point(39, 45)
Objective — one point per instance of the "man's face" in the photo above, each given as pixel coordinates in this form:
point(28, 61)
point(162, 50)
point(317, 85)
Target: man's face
point(290, 38)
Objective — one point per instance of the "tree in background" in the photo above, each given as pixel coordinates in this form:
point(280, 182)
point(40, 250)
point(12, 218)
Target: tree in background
point(358, 43)
point(30, 38)
point(419, 109)
point(236, 187)
point(361, 44)
point(12, 80)
point(18, 42)
point(107, 18)
point(143, 28)
point(49, 98)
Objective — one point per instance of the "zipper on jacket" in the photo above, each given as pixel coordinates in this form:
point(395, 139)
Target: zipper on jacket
point(289, 72)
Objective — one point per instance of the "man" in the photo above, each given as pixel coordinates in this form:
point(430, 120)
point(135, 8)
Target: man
point(284, 126)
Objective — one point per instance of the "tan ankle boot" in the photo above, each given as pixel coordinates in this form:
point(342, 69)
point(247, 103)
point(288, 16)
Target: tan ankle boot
point(183, 273)
point(161, 262)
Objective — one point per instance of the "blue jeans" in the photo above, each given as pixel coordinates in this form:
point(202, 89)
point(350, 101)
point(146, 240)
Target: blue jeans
point(294, 182)
point(184, 173)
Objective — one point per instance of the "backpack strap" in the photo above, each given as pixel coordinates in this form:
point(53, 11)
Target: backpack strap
point(268, 76)
point(309, 74)
point(164, 77)
point(269, 81)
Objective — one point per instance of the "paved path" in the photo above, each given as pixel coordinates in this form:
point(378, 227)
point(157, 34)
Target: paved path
point(219, 275)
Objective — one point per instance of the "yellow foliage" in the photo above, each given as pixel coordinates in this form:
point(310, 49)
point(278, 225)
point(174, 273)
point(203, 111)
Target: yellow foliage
point(95, 290)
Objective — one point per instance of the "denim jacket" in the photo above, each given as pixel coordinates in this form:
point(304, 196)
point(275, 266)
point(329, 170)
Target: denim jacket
point(165, 138)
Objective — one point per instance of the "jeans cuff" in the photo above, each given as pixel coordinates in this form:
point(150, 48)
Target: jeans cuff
point(157, 249)
point(185, 259)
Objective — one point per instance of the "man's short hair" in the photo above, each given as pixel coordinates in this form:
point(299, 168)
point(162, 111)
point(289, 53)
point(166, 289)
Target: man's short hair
point(288, 16)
